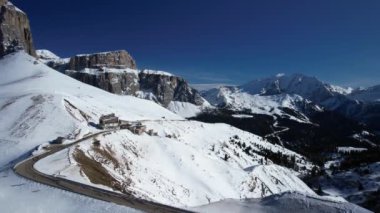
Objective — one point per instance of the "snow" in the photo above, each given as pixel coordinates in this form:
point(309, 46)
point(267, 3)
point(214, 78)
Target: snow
point(295, 84)
point(284, 202)
point(21, 195)
point(99, 53)
point(292, 84)
point(341, 90)
point(156, 72)
point(47, 54)
point(32, 104)
point(96, 71)
point(346, 183)
point(205, 87)
point(351, 149)
point(9, 4)
point(239, 100)
point(184, 164)
point(330, 163)
point(33, 111)
point(186, 109)
point(242, 116)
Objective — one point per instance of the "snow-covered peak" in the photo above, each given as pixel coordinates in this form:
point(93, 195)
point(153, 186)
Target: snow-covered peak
point(308, 87)
point(339, 89)
point(280, 83)
point(10, 4)
point(47, 54)
point(237, 99)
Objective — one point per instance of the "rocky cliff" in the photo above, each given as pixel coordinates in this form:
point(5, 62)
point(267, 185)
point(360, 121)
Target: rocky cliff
point(116, 72)
point(15, 33)
point(125, 82)
point(167, 88)
point(115, 59)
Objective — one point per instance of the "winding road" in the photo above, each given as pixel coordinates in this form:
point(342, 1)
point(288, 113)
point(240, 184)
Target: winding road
point(26, 170)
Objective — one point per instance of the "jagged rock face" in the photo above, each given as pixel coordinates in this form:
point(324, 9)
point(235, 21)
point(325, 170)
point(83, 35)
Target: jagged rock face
point(169, 88)
point(164, 88)
point(117, 83)
point(116, 59)
point(15, 33)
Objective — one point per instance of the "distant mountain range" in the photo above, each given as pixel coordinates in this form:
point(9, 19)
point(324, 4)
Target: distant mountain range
point(362, 105)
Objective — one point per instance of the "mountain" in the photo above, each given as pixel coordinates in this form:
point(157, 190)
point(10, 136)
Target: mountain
point(39, 104)
point(15, 30)
point(370, 94)
point(305, 86)
point(116, 72)
point(286, 119)
point(237, 99)
point(314, 119)
point(170, 160)
point(323, 95)
point(292, 104)
point(184, 164)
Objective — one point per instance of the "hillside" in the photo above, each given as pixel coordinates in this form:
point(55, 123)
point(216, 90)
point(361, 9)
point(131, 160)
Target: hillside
point(188, 159)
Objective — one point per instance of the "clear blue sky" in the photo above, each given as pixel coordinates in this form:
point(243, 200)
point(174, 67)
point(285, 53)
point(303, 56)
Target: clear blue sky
point(217, 41)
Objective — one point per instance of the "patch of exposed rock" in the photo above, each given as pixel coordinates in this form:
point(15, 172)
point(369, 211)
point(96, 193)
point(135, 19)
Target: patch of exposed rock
point(115, 59)
point(121, 83)
point(15, 32)
point(167, 88)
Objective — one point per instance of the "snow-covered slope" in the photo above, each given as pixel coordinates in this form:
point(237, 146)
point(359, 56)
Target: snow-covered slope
point(285, 202)
point(186, 109)
point(187, 164)
point(358, 185)
point(339, 89)
point(38, 104)
point(237, 99)
point(46, 54)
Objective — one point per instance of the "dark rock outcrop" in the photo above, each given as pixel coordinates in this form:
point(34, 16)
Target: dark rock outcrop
point(169, 88)
point(124, 83)
point(15, 33)
point(115, 59)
